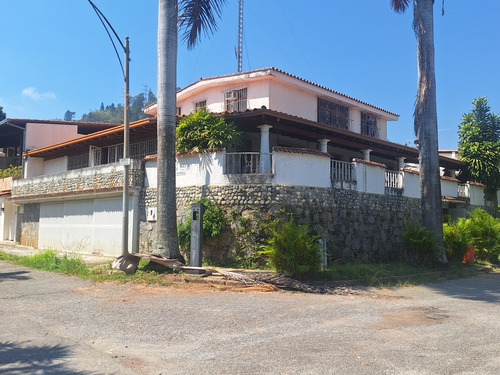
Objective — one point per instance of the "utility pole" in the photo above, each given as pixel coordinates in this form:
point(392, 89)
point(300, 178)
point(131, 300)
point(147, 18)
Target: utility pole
point(126, 160)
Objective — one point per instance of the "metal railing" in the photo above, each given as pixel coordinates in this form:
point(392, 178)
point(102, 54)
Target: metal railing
point(393, 180)
point(248, 163)
point(138, 150)
point(7, 161)
point(342, 171)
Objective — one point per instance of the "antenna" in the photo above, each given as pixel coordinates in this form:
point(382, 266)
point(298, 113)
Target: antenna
point(239, 48)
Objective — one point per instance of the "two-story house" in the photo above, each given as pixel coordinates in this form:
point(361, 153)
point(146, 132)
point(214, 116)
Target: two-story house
point(309, 149)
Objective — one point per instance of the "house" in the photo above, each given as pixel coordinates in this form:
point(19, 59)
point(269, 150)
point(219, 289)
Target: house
point(309, 149)
point(20, 135)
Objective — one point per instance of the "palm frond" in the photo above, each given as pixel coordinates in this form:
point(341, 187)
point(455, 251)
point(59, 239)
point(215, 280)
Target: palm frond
point(400, 6)
point(198, 15)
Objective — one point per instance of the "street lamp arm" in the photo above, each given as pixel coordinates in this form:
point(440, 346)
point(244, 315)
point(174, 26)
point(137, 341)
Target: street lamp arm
point(103, 18)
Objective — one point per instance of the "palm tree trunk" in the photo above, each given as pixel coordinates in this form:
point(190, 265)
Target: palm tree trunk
point(166, 225)
point(426, 121)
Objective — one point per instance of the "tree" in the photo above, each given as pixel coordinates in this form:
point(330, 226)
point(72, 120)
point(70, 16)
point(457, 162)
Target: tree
point(479, 147)
point(195, 15)
point(69, 116)
point(425, 116)
point(3, 116)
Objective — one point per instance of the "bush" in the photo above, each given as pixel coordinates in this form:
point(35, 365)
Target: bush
point(484, 232)
point(457, 239)
point(419, 243)
point(202, 130)
point(11, 172)
point(214, 223)
point(292, 249)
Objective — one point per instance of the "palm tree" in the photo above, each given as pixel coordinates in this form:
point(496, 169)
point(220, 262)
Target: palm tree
point(425, 116)
point(195, 16)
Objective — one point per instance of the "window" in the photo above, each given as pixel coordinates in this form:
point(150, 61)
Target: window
point(200, 105)
point(178, 111)
point(333, 114)
point(236, 100)
point(369, 124)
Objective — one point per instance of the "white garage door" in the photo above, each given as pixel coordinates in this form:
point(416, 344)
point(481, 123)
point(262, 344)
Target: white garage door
point(83, 226)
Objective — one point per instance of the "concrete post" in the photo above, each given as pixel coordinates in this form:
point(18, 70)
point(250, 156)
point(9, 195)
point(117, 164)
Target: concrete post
point(265, 159)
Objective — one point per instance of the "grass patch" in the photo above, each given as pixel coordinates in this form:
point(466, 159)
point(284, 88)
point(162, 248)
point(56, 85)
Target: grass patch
point(395, 273)
point(49, 260)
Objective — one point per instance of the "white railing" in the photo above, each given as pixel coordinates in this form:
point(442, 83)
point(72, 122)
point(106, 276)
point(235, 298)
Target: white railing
point(341, 171)
point(393, 180)
point(248, 163)
point(463, 191)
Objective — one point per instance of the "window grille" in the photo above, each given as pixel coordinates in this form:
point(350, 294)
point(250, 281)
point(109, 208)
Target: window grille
point(333, 114)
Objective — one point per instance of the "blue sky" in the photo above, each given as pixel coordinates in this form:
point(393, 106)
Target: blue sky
point(56, 55)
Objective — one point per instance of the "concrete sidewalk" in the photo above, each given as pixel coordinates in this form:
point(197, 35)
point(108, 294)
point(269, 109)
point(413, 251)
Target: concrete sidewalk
point(14, 248)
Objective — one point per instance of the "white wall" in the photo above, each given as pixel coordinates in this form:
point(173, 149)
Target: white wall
point(370, 178)
point(57, 165)
point(192, 169)
point(449, 188)
point(411, 184)
point(301, 169)
point(33, 167)
point(476, 193)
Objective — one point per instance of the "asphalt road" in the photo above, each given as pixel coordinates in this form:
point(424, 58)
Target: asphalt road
point(53, 324)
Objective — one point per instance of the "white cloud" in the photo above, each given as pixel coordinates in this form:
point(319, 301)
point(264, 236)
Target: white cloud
point(32, 93)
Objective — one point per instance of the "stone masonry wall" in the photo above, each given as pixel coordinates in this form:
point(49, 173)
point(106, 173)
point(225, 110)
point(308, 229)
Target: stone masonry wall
point(356, 225)
point(27, 230)
point(75, 183)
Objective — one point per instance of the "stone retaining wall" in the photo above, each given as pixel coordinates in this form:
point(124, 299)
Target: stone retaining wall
point(356, 225)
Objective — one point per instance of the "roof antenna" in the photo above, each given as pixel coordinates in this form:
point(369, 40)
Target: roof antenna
point(239, 48)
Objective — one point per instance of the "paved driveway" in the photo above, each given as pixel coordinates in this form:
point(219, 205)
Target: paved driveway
point(53, 324)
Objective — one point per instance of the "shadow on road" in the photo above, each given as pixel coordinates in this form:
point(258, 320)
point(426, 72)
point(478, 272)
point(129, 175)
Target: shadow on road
point(17, 275)
point(17, 359)
point(484, 288)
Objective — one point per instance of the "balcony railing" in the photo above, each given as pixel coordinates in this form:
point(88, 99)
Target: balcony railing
point(248, 163)
point(393, 180)
point(7, 161)
point(342, 171)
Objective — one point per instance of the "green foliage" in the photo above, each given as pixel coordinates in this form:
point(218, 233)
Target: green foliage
point(214, 223)
point(69, 116)
point(484, 232)
point(419, 243)
point(11, 172)
point(50, 261)
point(456, 238)
point(292, 249)
point(203, 130)
point(479, 145)
point(113, 114)
point(3, 116)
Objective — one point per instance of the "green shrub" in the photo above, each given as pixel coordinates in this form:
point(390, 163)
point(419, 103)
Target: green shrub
point(11, 172)
point(292, 249)
point(203, 130)
point(214, 223)
point(419, 243)
point(457, 239)
point(484, 231)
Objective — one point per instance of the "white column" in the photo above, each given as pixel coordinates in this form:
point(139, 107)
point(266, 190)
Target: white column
point(366, 154)
point(323, 144)
point(401, 162)
point(265, 158)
